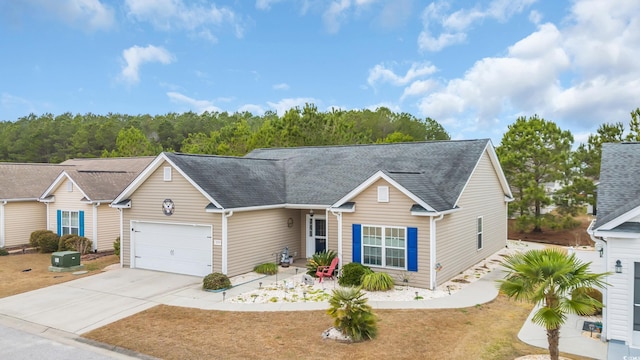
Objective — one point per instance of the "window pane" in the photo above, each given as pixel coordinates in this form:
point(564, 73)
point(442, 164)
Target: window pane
point(372, 256)
point(394, 237)
point(372, 235)
point(479, 241)
point(65, 218)
point(74, 231)
point(74, 219)
point(479, 224)
point(394, 257)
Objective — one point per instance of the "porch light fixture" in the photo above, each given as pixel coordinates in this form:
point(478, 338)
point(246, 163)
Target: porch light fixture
point(311, 213)
point(618, 267)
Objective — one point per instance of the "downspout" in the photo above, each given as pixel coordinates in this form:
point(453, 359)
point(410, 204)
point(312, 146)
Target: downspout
point(326, 228)
point(605, 320)
point(338, 216)
point(48, 216)
point(2, 232)
point(121, 211)
point(225, 216)
point(432, 246)
point(95, 226)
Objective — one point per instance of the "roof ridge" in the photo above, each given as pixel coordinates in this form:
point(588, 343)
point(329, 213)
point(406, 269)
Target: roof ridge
point(374, 144)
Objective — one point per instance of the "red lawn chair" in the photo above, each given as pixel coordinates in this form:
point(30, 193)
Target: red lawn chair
point(327, 271)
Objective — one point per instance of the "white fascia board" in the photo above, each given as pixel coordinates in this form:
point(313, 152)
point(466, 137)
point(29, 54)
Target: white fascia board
point(126, 205)
point(248, 208)
point(372, 179)
point(616, 234)
point(633, 213)
point(432, 214)
point(56, 183)
point(144, 175)
point(493, 158)
point(338, 210)
point(306, 206)
point(20, 200)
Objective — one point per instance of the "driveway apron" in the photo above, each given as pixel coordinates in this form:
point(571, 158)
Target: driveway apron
point(82, 305)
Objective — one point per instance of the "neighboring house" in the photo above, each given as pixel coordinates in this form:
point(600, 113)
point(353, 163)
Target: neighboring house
point(616, 230)
point(428, 209)
point(77, 200)
point(20, 212)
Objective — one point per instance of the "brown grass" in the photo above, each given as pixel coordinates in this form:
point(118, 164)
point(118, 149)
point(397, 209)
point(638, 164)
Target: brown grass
point(15, 280)
point(482, 332)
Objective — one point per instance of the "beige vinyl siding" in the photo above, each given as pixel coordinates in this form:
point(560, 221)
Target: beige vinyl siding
point(619, 297)
point(70, 201)
point(108, 227)
point(456, 233)
point(255, 237)
point(21, 219)
point(396, 212)
point(146, 205)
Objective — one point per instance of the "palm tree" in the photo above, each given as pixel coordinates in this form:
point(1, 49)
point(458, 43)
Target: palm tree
point(352, 315)
point(560, 284)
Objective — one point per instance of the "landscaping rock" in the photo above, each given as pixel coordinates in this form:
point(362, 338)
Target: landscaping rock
point(335, 334)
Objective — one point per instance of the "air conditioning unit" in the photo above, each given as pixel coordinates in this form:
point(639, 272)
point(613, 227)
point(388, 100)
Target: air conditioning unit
point(65, 259)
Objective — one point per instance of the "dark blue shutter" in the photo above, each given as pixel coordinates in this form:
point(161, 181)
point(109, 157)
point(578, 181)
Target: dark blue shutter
point(412, 249)
point(356, 230)
point(81, 223)
point(59, 218)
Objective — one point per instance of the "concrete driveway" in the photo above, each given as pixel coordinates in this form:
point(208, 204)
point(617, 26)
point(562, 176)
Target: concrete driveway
point(82, 305)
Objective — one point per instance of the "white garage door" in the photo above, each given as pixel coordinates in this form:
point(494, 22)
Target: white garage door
point(182, 249)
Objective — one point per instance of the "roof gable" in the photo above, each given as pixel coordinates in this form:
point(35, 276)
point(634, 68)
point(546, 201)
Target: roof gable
point(619, 188)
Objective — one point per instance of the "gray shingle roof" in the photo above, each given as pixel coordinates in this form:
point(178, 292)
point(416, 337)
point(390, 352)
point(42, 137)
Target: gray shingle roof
point(26, 181)
point(434, 171)
point(235, 182)
point(619, 188)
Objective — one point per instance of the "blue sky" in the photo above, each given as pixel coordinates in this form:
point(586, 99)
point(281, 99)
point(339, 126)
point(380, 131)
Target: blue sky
point(474, 66)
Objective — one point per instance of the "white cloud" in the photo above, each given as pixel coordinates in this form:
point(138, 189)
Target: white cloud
point(454, 26)
point(135, 56)
point(380, 73)
point(252, 108)
point(176, 14)
point(419, 87)
point(265, 4)
point(281, 86)
point(335, 14)
point(198, 106)
point(391, 106)
point(283, 105)
point(87, 14)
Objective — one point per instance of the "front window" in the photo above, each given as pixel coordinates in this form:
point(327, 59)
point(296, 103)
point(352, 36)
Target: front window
point(70, 222)
point(479, 232)
point(384, 246)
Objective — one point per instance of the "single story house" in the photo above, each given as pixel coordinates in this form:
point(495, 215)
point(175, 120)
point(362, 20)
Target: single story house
point(77, 200)
point(616, 230)
point(20, 212)
point(426, 209)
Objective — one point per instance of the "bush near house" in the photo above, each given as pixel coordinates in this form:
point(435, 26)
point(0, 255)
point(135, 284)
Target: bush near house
point(216, 281)
point(75, 243)
point(352, 274)
point(3, 252)
point(45, 240)
point(377, 281)
point(33, 238)
point(116, 246)
point(266, 268)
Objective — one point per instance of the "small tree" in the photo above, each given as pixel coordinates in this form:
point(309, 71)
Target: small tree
point(352, 315)
point(558, 283)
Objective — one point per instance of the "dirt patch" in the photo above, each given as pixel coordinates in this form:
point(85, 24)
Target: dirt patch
point(576, 237)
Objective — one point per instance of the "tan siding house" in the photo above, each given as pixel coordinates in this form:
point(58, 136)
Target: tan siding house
point(20, 212)
point(425, 210)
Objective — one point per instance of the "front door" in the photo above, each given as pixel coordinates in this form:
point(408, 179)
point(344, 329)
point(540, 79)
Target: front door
point(636, 305)
point(316, 234)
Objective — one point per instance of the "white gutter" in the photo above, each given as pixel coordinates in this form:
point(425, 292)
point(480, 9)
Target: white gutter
point(432, 248)
point(605, 312)
point(95, 227)
point(224, 240)
point(2, 241)
point(338, 216)
point(48, 216)
point(121, 237)
point(326, 228)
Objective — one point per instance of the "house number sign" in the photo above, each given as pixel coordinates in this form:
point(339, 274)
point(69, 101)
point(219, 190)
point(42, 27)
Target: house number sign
point(168, 207)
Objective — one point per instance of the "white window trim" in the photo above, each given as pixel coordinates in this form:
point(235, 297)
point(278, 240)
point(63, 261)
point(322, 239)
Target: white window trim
point(167, 173)
point(480, 233)
point(383, 194)
point(68, 226)
point(384, 247)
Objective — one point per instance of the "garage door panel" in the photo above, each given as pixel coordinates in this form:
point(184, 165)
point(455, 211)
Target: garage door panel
point(184, 249)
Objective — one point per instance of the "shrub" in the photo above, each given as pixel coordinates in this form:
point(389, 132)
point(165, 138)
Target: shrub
point(266, 268)
point(62, 243)
point(116, 246)
point(3, 252)
point(33, 239)
point(352, 315)
point(377, 281)
point(79, 243)
point(323, 258)
point(48, 242)
point(216, 281)
point(352, 274)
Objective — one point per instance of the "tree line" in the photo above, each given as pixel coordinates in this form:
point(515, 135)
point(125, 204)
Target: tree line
point(533, 151)
point(53, 139)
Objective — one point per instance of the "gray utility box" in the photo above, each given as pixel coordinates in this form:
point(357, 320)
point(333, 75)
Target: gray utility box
point(65, 259)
